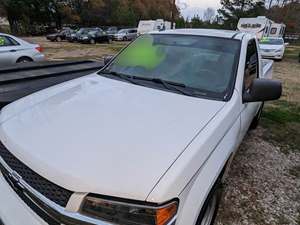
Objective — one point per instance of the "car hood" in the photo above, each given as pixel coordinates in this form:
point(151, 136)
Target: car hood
point(270, 47)
point(104, 136)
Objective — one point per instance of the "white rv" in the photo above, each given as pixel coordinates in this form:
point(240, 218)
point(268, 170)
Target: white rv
point(277, 30)
point(260, 26)
point(146, 26)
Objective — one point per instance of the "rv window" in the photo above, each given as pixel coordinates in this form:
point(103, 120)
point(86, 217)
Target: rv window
point(273, 30)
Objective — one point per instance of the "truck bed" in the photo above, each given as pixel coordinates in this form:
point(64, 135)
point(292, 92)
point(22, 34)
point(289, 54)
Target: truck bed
point(267, 65)
point(24, 79)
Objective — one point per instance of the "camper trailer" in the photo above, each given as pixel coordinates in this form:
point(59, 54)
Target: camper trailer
point(146, 26)
point(277, 30)
point(260, 25)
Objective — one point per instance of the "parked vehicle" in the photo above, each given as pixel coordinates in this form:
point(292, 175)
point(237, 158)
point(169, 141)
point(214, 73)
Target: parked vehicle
point(94, 36)
point(15, 50)
point(126, 34)
point(146, 26)
point(146, 140)
point(260, 26)
point(272, 48)
point(59, 36)
point(111, 31)
point(73, 37)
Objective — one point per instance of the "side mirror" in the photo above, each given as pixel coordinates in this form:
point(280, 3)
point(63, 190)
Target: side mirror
point(263, 90)
point(107, 59)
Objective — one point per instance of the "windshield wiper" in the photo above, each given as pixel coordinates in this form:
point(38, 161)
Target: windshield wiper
point(169, 85)
point(122, 76)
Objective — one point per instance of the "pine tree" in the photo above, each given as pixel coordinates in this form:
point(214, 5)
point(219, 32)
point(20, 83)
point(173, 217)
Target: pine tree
point(233, 10)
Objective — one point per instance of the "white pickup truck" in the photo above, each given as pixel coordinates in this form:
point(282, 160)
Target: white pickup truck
point(145, 141)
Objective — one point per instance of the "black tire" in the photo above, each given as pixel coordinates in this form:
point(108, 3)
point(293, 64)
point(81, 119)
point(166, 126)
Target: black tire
point(24, 59)
point(210, 208)
point(125, 38)
point(256, 119)
point(58, 39)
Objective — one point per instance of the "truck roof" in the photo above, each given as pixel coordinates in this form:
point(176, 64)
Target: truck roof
point(205, 32)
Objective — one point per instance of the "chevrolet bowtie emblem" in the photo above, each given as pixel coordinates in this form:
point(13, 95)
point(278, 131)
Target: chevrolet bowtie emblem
point(16, 180)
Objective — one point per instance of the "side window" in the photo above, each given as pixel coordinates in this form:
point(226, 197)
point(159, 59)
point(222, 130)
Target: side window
point(7, 41)
point(251, 68)
point(273, 30)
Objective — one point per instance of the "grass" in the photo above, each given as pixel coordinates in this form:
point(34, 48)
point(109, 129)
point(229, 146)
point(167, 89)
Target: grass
point(292, 51)
point(282, 122)
point(282, 118)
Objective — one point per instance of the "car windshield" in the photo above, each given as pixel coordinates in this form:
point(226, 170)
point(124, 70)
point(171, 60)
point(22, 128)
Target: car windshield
point(204, 64)
point(271, 41)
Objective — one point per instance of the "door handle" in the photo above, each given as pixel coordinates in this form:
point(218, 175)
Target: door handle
point(13, 50)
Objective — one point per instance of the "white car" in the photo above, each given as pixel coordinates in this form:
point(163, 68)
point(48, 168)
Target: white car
point(146, 140)
point(125, 35)
point(272, 48)
point(15, 50)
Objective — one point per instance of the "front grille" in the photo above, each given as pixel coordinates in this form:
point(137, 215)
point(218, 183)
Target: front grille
point(48, 189)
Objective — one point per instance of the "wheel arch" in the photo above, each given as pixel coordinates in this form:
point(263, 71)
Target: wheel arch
point(24, 57)
point(210, 175)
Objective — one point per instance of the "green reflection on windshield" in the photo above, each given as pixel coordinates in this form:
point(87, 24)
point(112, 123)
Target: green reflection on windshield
point(142, 53)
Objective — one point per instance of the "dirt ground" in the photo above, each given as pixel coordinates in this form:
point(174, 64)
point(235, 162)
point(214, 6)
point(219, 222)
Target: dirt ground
point(263, 186)
point(67, 51)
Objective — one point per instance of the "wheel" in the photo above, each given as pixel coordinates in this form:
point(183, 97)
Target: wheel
point(58, 39)
point(92, 41)
point(24, 59)
point(209, 212)
point(256, 119)
point(125, 38)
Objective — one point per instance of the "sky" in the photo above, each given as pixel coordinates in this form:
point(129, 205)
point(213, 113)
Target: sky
point(190, 8)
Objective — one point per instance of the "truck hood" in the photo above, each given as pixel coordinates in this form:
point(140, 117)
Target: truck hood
point(104, 136)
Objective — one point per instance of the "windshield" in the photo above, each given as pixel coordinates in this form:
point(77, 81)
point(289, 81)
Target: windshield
point(272, 41)
point(206, 64)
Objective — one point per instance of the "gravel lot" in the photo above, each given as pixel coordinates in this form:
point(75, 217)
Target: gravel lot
point(263, 186)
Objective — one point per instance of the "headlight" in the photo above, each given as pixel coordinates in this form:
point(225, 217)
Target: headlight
point(277, 51)
point(126, 213)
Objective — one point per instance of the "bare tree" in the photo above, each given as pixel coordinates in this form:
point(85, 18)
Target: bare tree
point(209, 14)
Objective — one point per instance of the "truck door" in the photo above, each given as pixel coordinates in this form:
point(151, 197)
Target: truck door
point(249, 110)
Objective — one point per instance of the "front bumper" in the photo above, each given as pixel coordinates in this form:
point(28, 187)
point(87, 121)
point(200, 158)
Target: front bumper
point(272, 55)
point(13, 211)
point(20, 202)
